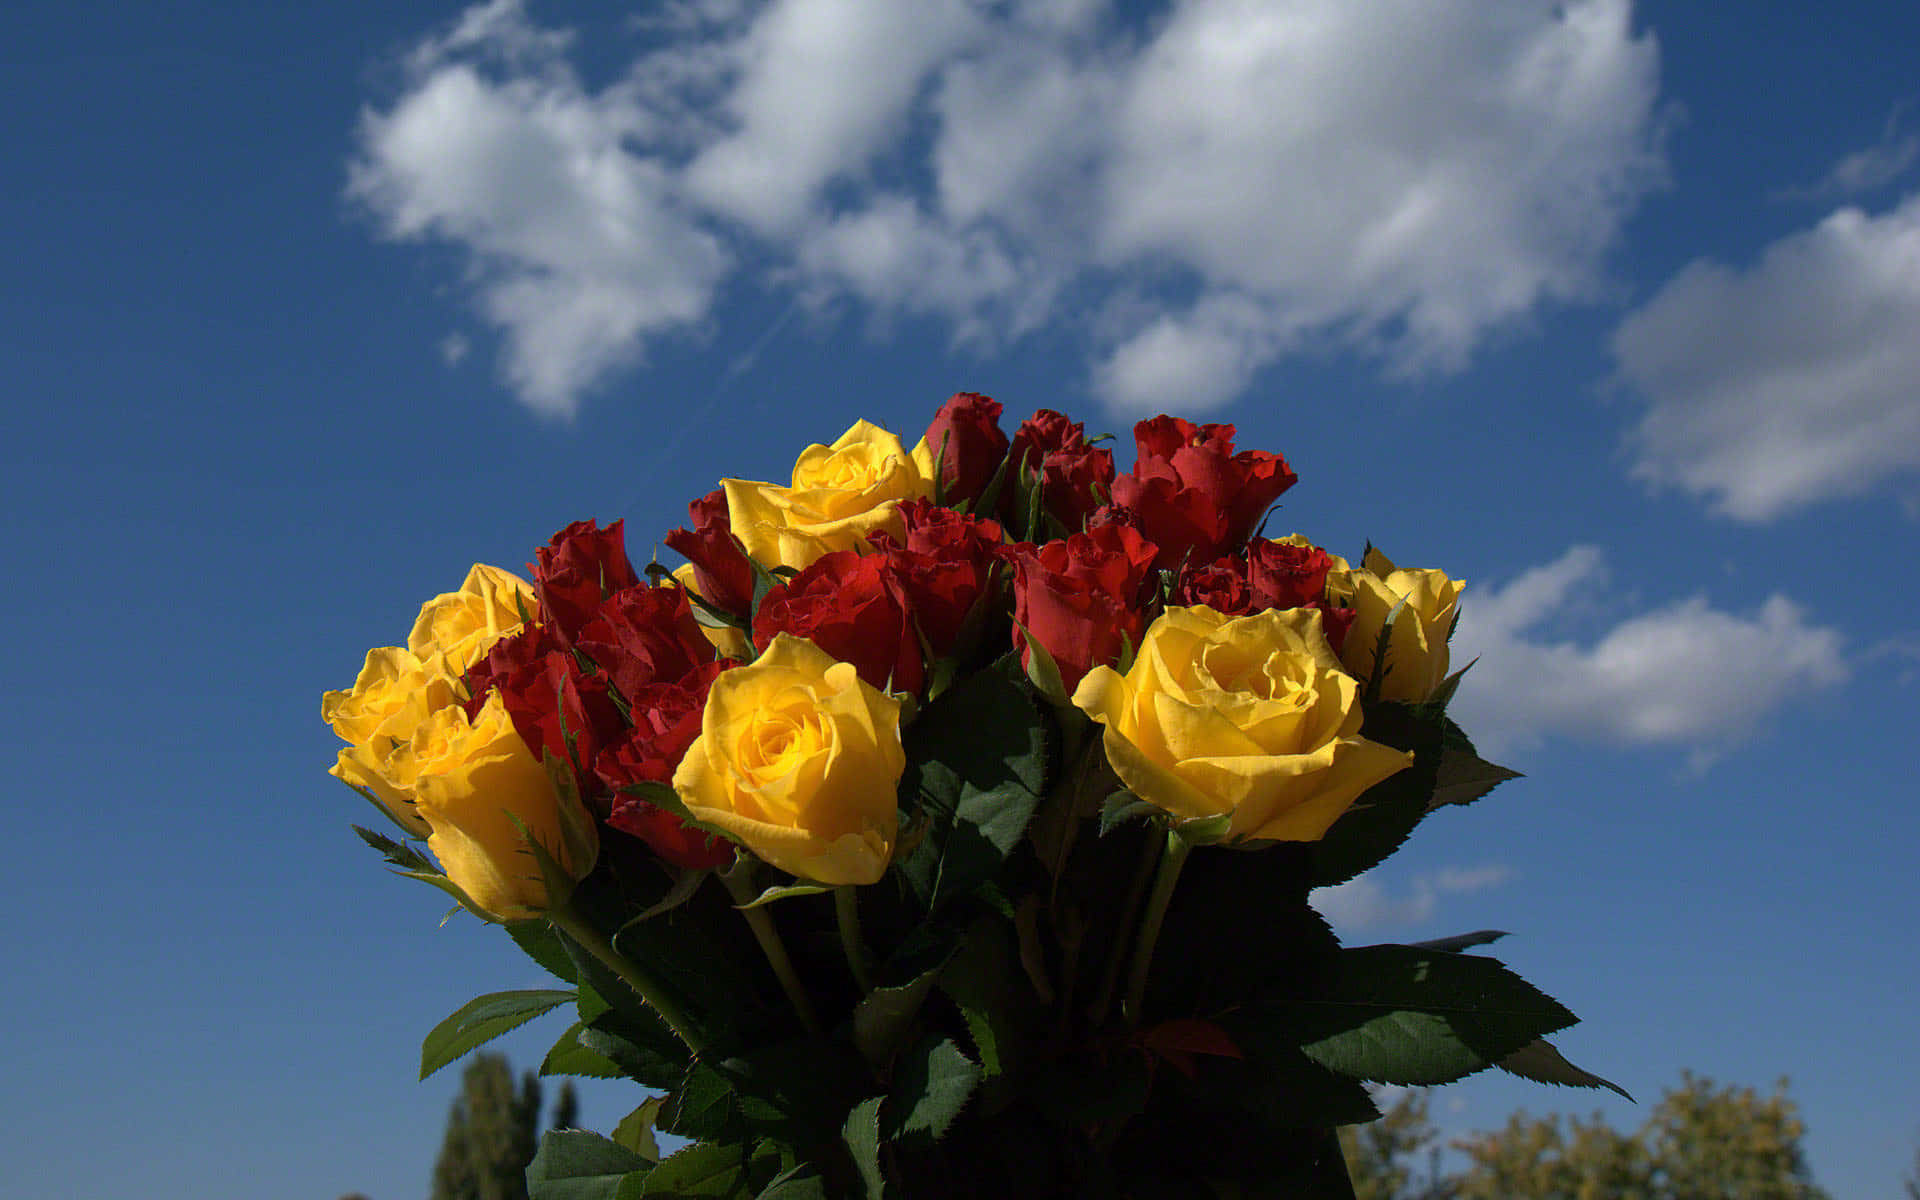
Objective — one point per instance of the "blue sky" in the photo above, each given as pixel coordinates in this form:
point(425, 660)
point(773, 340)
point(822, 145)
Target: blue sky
point(1612, 310)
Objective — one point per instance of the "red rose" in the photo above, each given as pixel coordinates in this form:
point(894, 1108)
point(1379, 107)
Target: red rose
point(967, 446)
point(848, 605)
point(579, 567)
point(1075, 475)
point(556, 708)
point(946, 564)
point(1268, 574)
point(1194, 496)
point(666, 719)
point(721, 573)
point(645, 635)
point(1081, 597)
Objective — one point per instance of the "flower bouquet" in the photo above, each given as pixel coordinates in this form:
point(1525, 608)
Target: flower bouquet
point(945, 826)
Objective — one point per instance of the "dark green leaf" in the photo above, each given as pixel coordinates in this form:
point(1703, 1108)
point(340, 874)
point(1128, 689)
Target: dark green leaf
point(931, 1084)
point(1461, 941)
point(573, 1164)
point(480, 1020)
point(976, 769)
point(701, 1107)
point(544, 946)
point(802, 1181)
point(635, 1130)
point(861, 1133)
point(1385, 813)
point(1400, 1014)
point(1464, 777)
point(398, 854)
point(1541, 1062)
point(1124, 806)
point(884, 1015)
point(569, 1057)
point(705, 1169)
point(981, 979)
point(785, 892)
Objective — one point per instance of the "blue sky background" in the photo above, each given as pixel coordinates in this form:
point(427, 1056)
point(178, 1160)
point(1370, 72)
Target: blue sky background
point(1613, 311)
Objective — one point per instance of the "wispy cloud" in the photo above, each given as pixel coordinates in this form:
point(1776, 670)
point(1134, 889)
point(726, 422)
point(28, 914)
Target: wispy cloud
point(1192, 198)
point(1789, 382)
point(1870, 167)
point(1686, 675)
point(1367, 903)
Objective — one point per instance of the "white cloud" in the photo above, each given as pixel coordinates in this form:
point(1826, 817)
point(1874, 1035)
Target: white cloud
point(1794, 381)
point(1364, 902)
point(1870, 167)
point(1686, 675)
point(1405, 178)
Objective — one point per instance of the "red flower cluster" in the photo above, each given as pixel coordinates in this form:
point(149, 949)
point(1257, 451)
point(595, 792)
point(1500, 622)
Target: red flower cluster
point(611, 675)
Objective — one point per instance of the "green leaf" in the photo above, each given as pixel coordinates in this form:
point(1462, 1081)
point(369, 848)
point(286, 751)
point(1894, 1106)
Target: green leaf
point(482, 1019)
point(883, 1015)
point(1385, 813)
point(568, 1057)
point(1401, 1014)
point(784, 892)
point(1042, 671)
point(931, 1084)
point(981, 981)
point(397, 854)
point(437, 880)
point(976, 769)
point(573, 1164)
point(1461, 941)
point(701, 1107)
point(1542, 1063)
point(1464, 777)
point(1124, 806)
point(802, 1181)
point(544, 946)
point(635, 1130)
point(861, 1133)
point(704, 1169)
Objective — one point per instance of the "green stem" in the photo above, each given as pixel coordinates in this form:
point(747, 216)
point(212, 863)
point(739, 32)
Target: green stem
point(568, 920)
point(741, 889)
point(1171, 860)
point(1117, 954)
point(846, 913)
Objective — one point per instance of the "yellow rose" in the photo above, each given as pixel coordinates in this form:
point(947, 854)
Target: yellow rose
point(840, 494)
point(1417, 648)
point(459, 627)
point(799, 760)
point(729, 640)
point(395, 694)
point(1246, 717)
point(471, 779)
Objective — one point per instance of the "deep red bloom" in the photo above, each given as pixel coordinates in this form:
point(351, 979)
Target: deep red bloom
point(666, 720)
point(721, 573)
point(1082, 597)
point(556, 708)
point(578, 568)
point(1267, 574)
point(1194, 496)
point(967, 445)
point(848, 605)
point(645, 635)
point(940, 573)
point(1075, 475)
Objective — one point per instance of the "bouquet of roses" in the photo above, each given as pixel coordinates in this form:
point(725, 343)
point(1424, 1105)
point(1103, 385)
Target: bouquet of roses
point(945, 826)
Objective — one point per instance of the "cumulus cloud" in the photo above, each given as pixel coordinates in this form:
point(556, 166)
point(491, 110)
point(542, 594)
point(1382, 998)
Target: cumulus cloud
point(1686, 675)
point(1790, 382)
point(1365, 902)
point(1405, 179)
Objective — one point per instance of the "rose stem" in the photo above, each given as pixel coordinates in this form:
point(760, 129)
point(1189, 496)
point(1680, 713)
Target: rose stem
point(568, 920)
point(846, 912)
point(1136, 891)
point(1174, 857)
point(772, 947)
